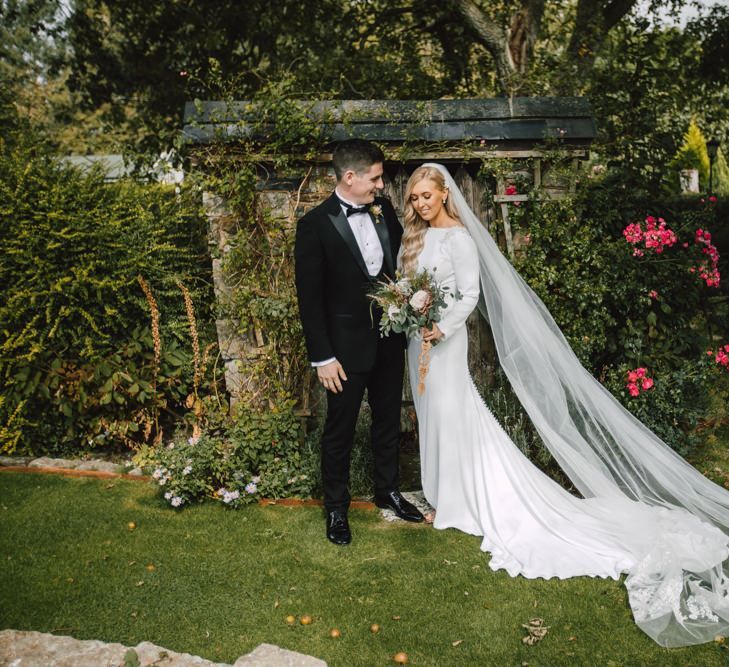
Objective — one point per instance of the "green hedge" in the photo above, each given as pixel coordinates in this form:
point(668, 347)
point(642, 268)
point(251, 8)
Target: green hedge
point(77, 359)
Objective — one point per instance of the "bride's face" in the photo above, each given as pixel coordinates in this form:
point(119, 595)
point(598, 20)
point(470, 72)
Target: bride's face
point(427, 199)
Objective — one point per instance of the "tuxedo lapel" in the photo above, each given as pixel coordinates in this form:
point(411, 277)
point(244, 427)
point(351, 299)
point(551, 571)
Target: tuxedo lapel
point(341, 224)
point(339, 220)
point(384, 235)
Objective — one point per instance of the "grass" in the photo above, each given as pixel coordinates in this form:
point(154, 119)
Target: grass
point(224, 582)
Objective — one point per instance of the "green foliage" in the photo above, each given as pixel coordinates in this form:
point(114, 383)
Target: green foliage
point(77, 361)
point(692, 153)
point(569, 265)
point(720, 177)
point(676, 405)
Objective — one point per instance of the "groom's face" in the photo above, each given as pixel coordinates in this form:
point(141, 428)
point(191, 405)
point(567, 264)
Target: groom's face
point(361, 187)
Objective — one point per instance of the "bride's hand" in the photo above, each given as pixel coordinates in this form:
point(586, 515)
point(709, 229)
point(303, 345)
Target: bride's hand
point(432, 335)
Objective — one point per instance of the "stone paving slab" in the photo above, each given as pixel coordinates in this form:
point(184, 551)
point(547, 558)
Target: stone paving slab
point(268, 655)
point(38, 649)
point(84, 465)
point(48, 462)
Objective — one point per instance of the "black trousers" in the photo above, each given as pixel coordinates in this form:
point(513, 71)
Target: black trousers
point(384, 391)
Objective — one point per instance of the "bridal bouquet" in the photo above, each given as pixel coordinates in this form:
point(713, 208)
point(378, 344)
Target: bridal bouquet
point(410, 304)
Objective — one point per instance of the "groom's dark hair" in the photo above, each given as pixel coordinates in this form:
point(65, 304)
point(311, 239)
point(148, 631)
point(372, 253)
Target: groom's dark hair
point(355, 154)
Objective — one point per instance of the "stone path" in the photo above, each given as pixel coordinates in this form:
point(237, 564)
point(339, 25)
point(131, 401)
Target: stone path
point(38, 649)
point(86, 465)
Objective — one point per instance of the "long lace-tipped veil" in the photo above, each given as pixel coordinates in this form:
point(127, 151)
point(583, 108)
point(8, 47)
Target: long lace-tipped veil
point(605, 451)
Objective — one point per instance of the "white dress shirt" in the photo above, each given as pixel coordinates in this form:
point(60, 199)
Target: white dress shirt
point(364, 232)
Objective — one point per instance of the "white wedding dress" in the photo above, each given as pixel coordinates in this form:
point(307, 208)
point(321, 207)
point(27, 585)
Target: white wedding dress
point(480, 483)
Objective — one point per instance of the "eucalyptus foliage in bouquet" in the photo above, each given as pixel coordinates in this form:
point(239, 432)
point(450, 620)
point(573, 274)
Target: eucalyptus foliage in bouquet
point(410, 304)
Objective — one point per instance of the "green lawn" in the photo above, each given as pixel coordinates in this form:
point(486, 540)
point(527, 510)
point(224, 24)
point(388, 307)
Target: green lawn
point(224, 581)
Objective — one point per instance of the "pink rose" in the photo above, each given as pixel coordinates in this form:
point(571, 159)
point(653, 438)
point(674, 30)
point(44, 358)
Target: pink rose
point(647, 383)
point(653, 294)
point(632, 377)
point(633, 389)
point(420, 300)
point(641, 372)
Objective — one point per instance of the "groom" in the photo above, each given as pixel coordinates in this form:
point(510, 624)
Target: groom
point(343, 246)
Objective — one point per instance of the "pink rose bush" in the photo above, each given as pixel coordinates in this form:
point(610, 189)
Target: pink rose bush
point(721, 356)
point(708, 268)
point(638, 380)
point(656, 236)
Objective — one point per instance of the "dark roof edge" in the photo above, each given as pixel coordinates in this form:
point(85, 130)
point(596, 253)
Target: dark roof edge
point(402, 111)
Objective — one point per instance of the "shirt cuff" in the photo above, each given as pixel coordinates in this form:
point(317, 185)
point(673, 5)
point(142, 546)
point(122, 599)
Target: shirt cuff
point(316, 364)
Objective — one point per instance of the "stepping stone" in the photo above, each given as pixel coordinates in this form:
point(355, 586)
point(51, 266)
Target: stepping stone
point(39, 649)
point(268, 655)
point(15, 460)
point(47, 462)
point(97, 464)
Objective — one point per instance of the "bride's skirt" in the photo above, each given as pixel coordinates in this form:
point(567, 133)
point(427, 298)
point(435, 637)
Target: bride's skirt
point(481, 483)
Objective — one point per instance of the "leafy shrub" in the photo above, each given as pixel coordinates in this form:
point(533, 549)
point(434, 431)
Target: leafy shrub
point(674, 407)
point(692, 153)
point(78, 366)
point(257, 455)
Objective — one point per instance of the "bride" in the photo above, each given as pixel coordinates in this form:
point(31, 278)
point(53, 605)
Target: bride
point(644, 511)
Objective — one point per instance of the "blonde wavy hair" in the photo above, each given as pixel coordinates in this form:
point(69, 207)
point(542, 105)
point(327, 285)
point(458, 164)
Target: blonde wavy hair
point(413, 238)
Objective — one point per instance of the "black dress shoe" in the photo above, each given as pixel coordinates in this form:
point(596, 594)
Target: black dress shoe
point(338, 528)
point(395, 502)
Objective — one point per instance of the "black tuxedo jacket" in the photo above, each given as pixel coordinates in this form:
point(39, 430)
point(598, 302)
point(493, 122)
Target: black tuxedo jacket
point(332, 284)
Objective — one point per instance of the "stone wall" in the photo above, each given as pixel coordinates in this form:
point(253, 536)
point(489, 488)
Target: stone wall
point(287, 198)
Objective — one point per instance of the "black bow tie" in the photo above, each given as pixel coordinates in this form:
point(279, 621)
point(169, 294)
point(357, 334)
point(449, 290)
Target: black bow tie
point(352, 210)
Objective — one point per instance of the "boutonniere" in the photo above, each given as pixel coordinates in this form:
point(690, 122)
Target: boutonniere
point(376, 213)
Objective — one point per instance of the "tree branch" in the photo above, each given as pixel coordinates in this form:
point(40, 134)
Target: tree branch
point(595, 18)
point(492, 37)
point(523, 33)
point(614, 11)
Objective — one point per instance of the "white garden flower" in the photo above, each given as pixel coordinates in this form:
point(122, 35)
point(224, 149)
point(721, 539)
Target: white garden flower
point(393, 311)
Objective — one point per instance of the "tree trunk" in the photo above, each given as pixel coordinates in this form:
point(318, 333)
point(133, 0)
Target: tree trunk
point(510, 48)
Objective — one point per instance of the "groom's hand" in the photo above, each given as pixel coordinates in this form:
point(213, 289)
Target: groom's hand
point(331, 376)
